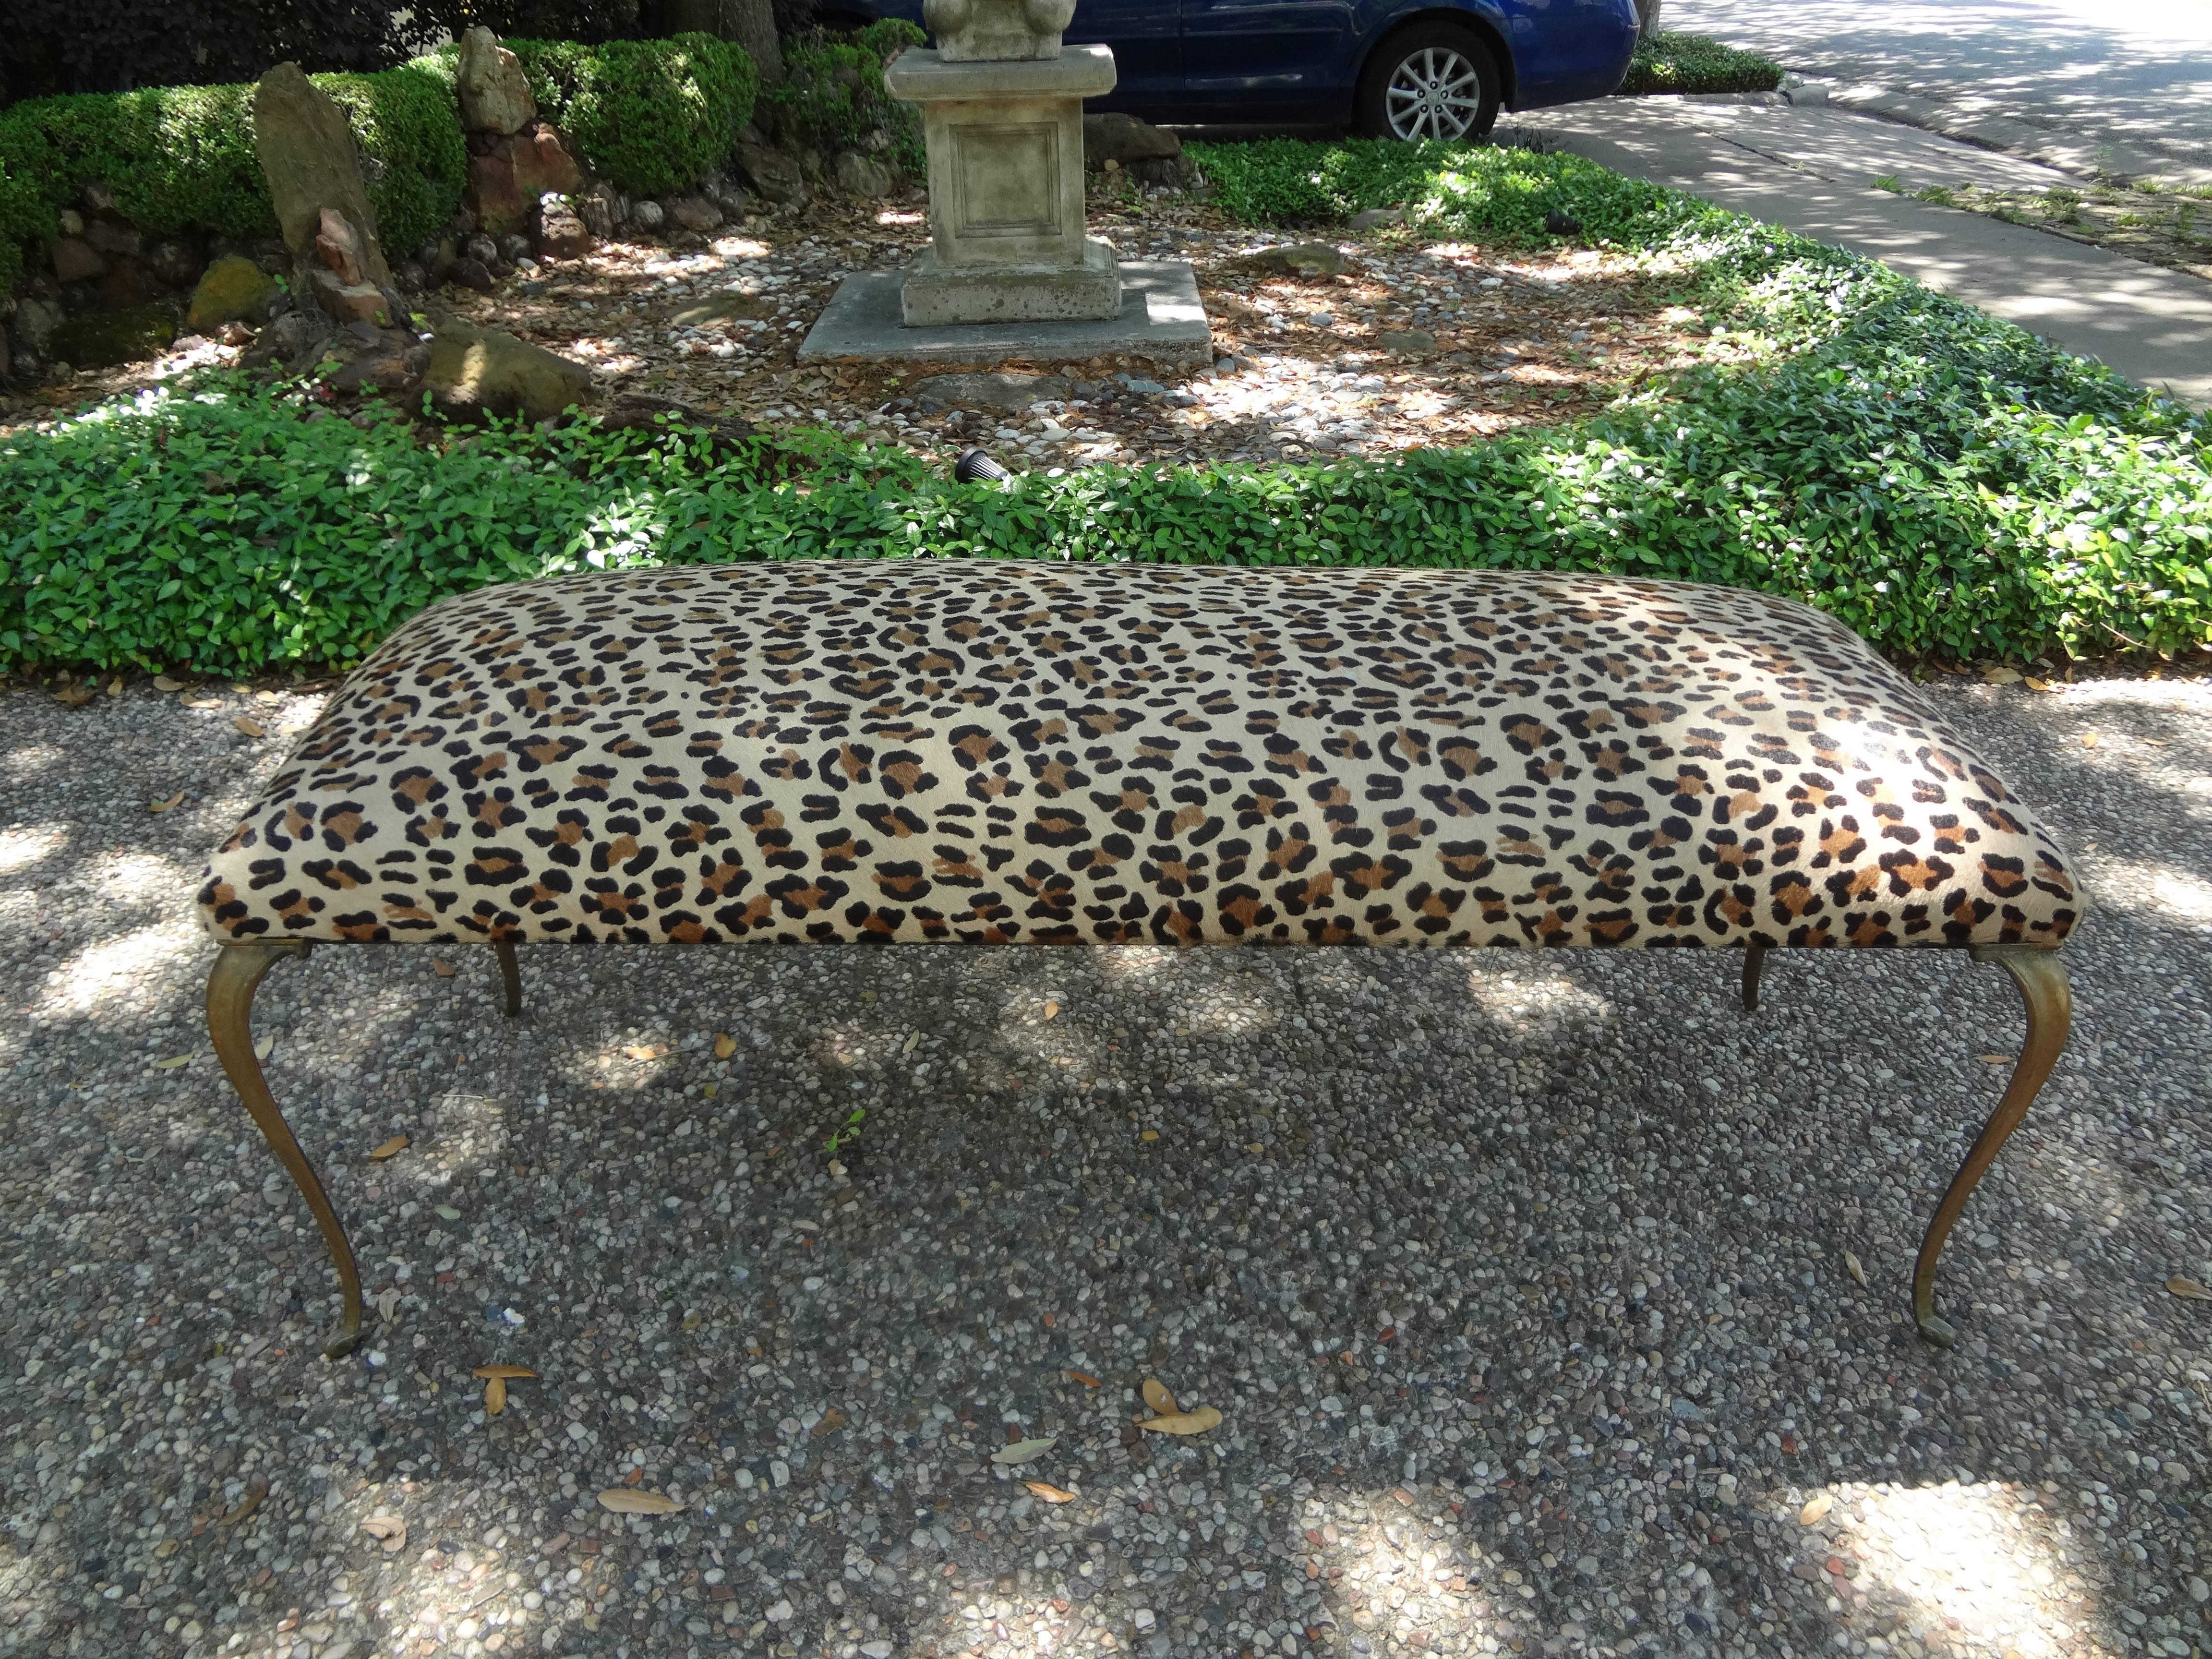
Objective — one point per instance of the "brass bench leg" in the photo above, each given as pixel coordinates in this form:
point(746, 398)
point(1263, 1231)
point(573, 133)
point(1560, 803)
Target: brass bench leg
point(510, 974)
point(2042, 981)
point(1754, 959)
point(238, 971)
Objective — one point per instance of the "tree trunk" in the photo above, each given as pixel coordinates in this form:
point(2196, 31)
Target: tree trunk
point(748, 23)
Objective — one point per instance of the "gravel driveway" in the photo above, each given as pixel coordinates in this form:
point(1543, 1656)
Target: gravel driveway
point(1524, 1285)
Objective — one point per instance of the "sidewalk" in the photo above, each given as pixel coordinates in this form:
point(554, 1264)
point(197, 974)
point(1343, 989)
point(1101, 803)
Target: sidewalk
point(1813, 169)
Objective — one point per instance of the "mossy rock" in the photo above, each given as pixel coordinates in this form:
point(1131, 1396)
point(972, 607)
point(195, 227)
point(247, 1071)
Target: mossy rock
point(234, 289)
point(107, 339)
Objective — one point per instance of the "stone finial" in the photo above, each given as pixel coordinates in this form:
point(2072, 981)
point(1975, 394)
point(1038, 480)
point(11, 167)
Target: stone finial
point(495, 94)
point(996, 31)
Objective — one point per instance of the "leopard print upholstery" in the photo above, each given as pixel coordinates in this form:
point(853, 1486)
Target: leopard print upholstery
point(1048, 753)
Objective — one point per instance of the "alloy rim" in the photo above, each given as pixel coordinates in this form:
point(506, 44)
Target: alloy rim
point(1437, 93)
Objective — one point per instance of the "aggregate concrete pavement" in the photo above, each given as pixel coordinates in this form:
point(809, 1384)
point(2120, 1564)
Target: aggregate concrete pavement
point(1529, 1287)
point(1811, 169)
point(2133, 80)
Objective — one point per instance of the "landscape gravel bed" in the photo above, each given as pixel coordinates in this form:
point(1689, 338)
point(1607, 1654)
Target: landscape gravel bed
point(1529, 1287)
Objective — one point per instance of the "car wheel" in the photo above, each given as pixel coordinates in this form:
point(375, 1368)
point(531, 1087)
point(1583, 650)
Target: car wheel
point(1434, 81)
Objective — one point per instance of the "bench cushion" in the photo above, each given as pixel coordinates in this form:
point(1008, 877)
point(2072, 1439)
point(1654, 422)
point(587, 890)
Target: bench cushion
point(1072, 753)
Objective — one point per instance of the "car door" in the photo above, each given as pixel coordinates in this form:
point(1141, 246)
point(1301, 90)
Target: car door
point(1268, 60)
point(1147, 36)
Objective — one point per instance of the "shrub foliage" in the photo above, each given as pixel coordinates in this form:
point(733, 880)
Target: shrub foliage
point(648, 115)
point(1667, 62)
point(833, 95)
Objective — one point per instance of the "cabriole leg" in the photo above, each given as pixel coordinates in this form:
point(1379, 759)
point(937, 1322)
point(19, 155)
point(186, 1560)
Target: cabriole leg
point(510, 974)
point(2042, 981)
point(1754, 959)
point(238, 971)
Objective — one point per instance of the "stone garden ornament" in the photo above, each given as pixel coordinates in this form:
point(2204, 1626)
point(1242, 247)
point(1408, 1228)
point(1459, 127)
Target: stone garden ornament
point(989, 753)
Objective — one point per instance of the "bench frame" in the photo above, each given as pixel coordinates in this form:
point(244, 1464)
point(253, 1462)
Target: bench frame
point(2036, 969)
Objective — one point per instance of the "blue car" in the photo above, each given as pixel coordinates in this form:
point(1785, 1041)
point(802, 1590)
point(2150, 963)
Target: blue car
point(1396, 69)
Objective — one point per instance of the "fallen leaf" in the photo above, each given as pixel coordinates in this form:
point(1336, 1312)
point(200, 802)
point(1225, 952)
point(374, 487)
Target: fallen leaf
point(1158, 1397)
point(623, 1501)
point(694, 1320)
point(391, 1148)
point(115, 686)
point(168, 1547)
point(387, 1303)
point(250, 726)
point(1851, 1266)
point(445, 1213)
point(247, 1504)
point(1024, 1451)
point(1051, 1009)
point(507, 1372)
point(171, 1064)
point(1085, 1378)
point(1255, 1147)
point(169, 804)
point(832, 1420)
point(442, 969)
point(202, 702)
point(261, 1048)
point(76, 696)
point(1816, 1510)
point(163, 683)
point(391, 1528)
point(2188, 1288)
point(2089, 740)
point(495, 1395)
point(725, 1045)
point(710, 1090)
point(1197, 1422)
point(645, 1051)
point(1998, 674)
point(912, 1043)
point(2035, 684)
point(1150, 1134)
point(1995, 1059)
point(1050, 1493)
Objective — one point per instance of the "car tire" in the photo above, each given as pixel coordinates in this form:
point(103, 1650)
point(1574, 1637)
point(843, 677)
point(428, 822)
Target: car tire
point(1432, 81)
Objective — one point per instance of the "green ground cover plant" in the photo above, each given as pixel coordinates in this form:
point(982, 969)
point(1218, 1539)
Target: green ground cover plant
point(650, 116)
point(1668, 61)
point(178, 158)
point(1939, 480)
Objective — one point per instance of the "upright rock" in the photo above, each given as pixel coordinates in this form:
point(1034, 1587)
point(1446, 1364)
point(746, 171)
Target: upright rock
point(307, 154)
point(495, 94)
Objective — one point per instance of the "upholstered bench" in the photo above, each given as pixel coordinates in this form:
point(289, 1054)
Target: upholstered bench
point(1014, 752)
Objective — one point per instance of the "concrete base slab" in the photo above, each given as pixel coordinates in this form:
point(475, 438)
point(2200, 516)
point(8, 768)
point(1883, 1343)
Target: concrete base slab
point(1162, 320)
point(1091, 292)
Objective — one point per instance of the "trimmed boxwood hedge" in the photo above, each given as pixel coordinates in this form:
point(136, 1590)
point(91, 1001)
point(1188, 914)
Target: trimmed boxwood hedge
point(182, 157)
point(647, 115)
point(1940, 481)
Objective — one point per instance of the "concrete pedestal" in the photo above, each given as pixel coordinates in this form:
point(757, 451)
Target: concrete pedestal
point(1004, 140)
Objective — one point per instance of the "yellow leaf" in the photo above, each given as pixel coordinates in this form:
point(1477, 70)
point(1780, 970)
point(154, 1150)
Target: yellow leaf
point(645, 1051)
point(250, 726)
point(1051, 1009)
point(1050, 1493)
point(1150, 1134)
point(1816, 1510)
point(171, 1064)
point(163, 683)
point(1851, 1263)
point(261, 1048)
point(442, 969)
point(495, 1395)
point(1256, 1148)
point(2089, 740)
point(725, 1045)
point(1085, 1378)
point(1995, 1059)
point(169, 804)
point(167, 1547)
point(1158, 1397)
point(1998, 674)
point(115, 686)
point(1197, 1422)
point(2035, 684)
point(504, 1372)
point(391, 1528)
point(710, 1090)
point(624, 1501)
point(2188, 1288)
point(391, 1148)
point(247, 1504)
